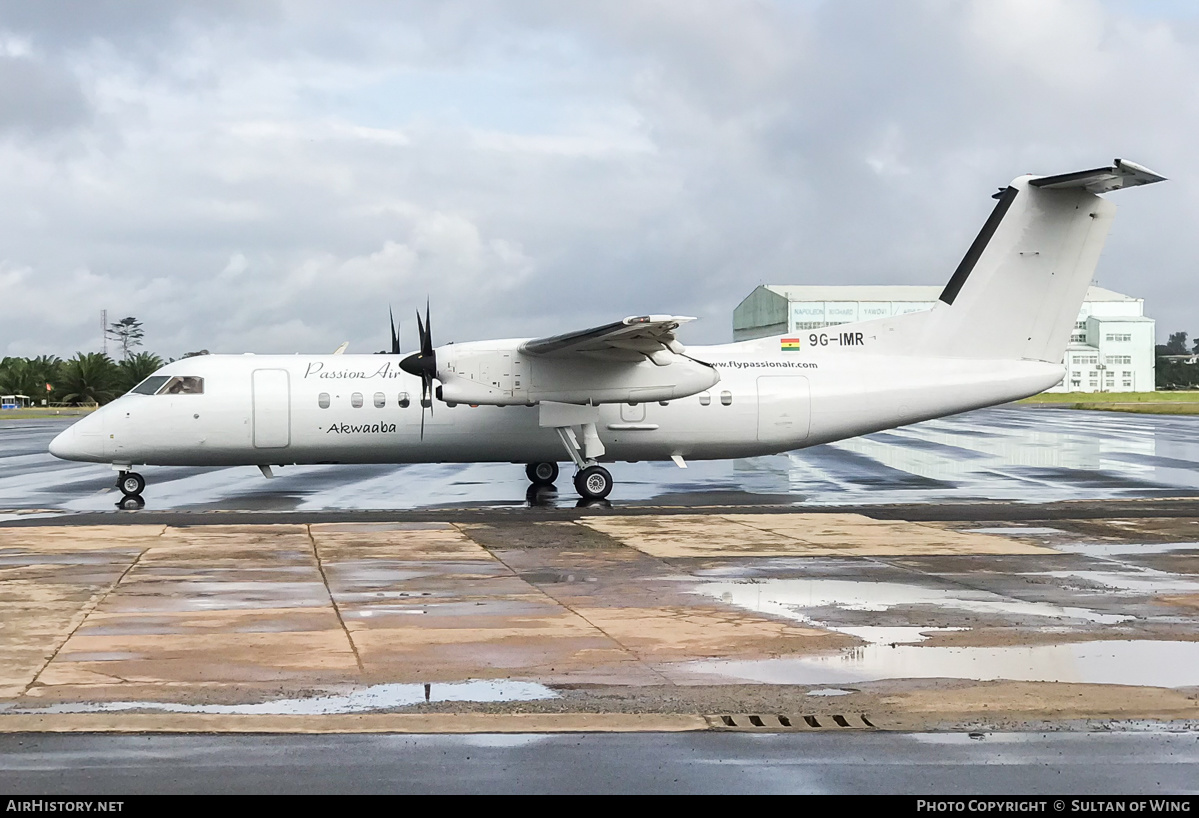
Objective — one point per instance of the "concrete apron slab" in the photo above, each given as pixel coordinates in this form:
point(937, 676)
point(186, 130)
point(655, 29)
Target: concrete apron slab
point(792, 535)
point(251, 613)
point(215, 610)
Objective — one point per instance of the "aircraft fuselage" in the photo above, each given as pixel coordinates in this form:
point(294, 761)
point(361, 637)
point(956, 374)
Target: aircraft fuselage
point(292, 409)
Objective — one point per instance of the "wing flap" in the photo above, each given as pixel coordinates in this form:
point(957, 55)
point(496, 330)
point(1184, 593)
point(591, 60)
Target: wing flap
point(648, 335)
point(1101, 180)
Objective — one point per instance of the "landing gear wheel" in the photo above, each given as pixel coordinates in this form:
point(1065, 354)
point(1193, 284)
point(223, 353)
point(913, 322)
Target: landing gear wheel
point(542, 474)
point(131, 483)
point(593, 483)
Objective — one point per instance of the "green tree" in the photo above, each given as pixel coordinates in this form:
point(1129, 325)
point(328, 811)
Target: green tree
point(1177, 345)
point(12, 376)
point(128, 333)
point(29, 376)
point(136, 368)
point(89, 377)
point(44, 371)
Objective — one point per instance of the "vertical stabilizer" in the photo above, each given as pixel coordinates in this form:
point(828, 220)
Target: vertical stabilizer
point(1017, 292)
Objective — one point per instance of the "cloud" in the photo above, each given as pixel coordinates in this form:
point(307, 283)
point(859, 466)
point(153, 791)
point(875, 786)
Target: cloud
point(270, 176)
point(37, 98)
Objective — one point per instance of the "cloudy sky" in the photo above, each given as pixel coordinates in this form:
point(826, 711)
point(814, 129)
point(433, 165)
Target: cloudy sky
point(269, 177)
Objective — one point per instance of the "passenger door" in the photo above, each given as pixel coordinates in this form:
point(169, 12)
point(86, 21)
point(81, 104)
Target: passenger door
point(784, 408)
point(272, 408)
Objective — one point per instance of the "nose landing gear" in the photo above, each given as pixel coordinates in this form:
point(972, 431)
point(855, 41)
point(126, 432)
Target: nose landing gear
point(131, 485)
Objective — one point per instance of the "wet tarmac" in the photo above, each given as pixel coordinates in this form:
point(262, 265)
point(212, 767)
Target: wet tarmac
point(440, 602)
point(848, 621)
point(1013, 453)
point(1156, 765)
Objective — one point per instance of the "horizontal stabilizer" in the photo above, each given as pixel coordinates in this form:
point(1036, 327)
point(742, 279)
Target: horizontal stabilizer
point(1101, 180)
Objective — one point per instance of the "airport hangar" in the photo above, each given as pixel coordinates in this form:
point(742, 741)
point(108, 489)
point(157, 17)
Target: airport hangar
point(1110, 350)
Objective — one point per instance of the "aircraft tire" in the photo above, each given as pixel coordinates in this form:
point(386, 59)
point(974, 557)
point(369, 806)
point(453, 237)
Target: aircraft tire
point(542, 474)
point(131, 483)
point(593, 483)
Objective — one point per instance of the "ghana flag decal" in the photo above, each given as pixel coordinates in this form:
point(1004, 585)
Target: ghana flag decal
point(789, 344)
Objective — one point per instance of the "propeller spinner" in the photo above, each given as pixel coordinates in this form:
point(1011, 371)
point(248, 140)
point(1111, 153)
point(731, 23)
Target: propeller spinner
point(423, 364)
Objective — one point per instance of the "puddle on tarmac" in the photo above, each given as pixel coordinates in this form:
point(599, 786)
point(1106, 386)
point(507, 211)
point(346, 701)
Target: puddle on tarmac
point(792, 597)
point(1133, 580)
point(1142, 663)
point(1120, 549)
point(28, 515)
point(375, 697)
point(883, 635)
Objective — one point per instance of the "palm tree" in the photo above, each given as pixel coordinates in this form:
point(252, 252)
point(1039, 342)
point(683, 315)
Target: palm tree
point(136, 368)
point(28, 376)
point(43, 373)
point(11, 375)
point(89, 377)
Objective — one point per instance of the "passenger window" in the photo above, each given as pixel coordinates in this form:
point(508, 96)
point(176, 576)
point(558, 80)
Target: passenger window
point(323, 400)
point(726, 398)
point(356, 400)
point(182, 385)
point(150, 385)
point(380, 400)
point(404, 402)
point(705, 399)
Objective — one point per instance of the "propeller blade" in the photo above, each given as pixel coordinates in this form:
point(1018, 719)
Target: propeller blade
point(427, 339)
point(423, 364)
point(395, 337)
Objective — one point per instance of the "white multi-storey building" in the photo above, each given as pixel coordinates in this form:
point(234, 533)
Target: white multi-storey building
point(1111, 349)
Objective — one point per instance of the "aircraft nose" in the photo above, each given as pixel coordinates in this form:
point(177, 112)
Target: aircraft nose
point(64, 443)
point(73, 444)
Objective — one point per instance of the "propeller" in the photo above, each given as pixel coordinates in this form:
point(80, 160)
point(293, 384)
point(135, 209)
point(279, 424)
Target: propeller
point(423, 364)
point(395, 337)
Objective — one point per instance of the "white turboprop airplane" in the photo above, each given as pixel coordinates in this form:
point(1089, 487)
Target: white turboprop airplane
point(630, 391)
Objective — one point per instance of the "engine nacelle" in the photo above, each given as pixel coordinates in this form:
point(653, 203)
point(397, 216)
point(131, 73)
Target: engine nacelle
point(496, 373)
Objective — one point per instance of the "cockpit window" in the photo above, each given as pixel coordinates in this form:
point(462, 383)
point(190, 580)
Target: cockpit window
point(150, 385)
point(183, 385)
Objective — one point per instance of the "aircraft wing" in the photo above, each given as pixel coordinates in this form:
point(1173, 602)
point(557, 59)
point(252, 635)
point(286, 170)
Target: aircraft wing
point(1101, 180)
point(633, 339)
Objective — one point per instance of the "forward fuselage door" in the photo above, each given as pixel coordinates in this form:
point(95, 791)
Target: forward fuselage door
point(784, 408)
point(272, 408)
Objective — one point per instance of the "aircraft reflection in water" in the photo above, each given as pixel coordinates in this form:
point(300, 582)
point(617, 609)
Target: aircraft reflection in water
point(630, 391)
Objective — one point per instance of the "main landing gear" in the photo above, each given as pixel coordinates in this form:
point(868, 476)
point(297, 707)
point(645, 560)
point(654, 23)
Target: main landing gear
point(575, 425)
point(542, 474)
point(592, 482)
point(131, 485)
